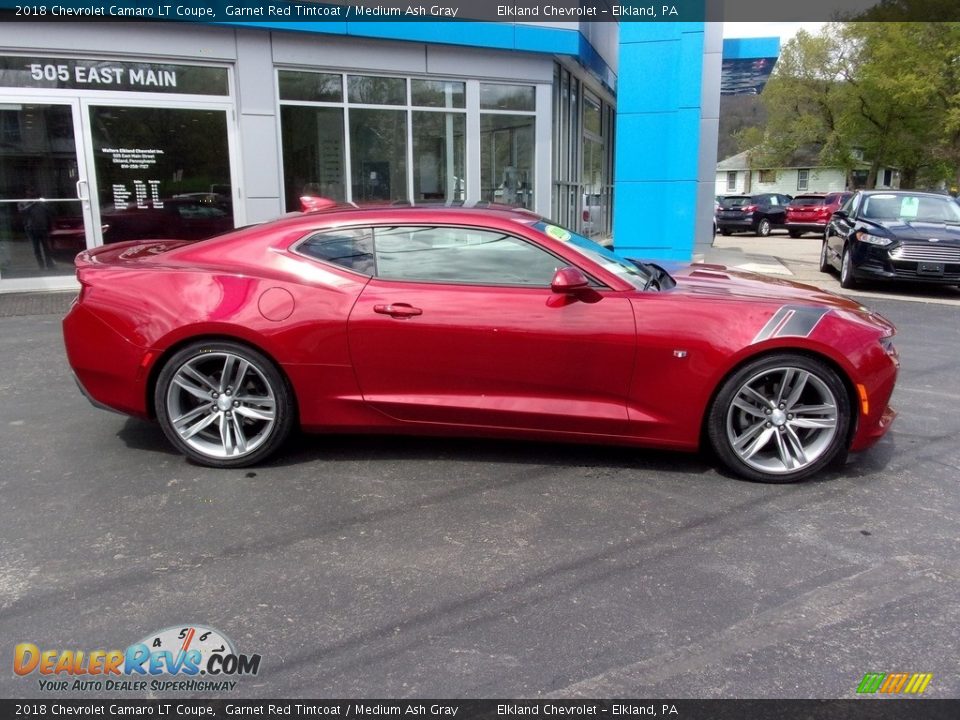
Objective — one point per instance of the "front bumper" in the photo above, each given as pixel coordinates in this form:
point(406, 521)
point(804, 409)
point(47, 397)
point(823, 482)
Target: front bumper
point(875, 263)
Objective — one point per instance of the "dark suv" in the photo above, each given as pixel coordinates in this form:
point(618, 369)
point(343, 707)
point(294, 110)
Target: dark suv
point(752, 213)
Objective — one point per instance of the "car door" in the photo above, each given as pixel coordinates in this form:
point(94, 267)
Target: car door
point(459, 326)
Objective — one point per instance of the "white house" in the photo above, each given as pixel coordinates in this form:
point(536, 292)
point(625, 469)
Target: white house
point(734, 176)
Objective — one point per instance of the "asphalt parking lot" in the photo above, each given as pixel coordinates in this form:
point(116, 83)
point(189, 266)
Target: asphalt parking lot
point(393, 567)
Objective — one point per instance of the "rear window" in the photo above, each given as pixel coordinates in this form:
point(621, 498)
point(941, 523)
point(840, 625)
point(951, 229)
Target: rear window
point(807, 201)
point(735, 201)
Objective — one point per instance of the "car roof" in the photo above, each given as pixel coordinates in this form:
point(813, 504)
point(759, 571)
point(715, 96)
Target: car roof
point(904, 192)
point(479, 214)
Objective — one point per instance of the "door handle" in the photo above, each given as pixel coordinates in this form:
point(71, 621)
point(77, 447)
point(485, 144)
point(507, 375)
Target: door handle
point(398, 310)
point(80, 195)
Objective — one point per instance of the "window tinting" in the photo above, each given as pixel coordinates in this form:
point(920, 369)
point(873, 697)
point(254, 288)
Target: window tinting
point(376, 90)
point(461, 255)
point(507, 97)
point(351, 249)
point(438, 93)
point(313, 87)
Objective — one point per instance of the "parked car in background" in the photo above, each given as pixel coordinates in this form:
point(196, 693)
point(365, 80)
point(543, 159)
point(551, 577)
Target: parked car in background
point(759, 213)
point(811, 212)
point(894, 235)
point(466, 321)
point(594, 219)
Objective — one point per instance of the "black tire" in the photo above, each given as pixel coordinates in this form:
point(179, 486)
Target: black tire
point(847, 279)
point(825, 266)
point(725, 233)
point(728, 424)
point(795, 233)
point(260, 410)
point(763, 227)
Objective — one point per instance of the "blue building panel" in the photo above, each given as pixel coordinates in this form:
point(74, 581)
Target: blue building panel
point(750, 48)
point(658, 139)
point(663, 210)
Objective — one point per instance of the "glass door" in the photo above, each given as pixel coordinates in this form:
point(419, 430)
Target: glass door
point(45, 217)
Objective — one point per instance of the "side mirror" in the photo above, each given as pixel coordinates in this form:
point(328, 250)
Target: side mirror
point(840, 214)
point(569, 280)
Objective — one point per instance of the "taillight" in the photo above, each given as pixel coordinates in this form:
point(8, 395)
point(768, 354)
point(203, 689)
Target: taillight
point(749, 208)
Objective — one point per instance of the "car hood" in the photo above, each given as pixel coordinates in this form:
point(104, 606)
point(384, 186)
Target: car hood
point(720, 281)
point(915, 230)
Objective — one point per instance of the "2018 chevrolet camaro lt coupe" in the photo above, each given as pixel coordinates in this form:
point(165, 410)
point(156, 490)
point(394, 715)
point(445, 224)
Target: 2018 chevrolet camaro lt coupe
point(472, 321)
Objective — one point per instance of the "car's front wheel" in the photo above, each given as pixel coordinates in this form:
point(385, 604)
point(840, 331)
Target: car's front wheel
point(763, 227)
point(847, 278)
point(795, 233)
point(824, 257)
point(780, 418)
point(223, 404)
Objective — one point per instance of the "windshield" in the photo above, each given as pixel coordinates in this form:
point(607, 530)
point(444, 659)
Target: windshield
point(911, 208)
point(607, 259)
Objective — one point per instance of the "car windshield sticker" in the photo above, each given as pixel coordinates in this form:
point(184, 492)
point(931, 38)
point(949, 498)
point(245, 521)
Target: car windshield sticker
point(557, 233)
point(909, 207)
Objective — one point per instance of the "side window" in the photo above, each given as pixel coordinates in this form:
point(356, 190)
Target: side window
point(351, 249)
point(461, 255)
point(773, 200)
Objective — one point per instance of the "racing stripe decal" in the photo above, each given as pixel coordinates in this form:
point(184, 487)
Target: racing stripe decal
point(791, 321)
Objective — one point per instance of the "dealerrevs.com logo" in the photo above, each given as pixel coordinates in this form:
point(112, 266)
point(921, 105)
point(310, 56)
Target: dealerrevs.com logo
point(189, 658)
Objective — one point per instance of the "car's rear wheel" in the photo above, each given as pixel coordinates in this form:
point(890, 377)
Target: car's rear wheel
point(726, 233)
point(780, 418)
point(763, 227)
point(847, 279)
point(795, 233)
point(223, 404)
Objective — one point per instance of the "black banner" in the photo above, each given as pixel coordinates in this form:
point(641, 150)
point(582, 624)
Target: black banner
point(280, 12)
point(861, 709)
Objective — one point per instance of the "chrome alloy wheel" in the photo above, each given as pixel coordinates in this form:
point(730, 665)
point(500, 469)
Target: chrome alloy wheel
point(782, 420)
point(221, 405)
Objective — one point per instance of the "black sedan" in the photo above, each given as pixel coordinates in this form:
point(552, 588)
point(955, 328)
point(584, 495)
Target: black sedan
point(752, 213)
point(894, 235)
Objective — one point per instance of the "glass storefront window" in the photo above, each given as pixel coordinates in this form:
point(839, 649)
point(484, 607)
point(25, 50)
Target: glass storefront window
point(313, 156)
point(494, 96)
point(41, 220)
point(507, 159)
point(378, 154)
point(438, 93)
point(312, 87)
point(372, 90)
point(591, 115)
point(439, 146)
point(161, 172)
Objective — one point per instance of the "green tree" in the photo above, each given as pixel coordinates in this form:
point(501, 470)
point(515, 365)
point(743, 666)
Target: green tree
point(888, 89)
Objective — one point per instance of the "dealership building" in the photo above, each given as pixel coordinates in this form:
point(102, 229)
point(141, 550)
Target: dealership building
point(114, 131)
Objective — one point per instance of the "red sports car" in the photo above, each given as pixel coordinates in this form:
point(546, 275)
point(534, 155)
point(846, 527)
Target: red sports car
point(472, 321)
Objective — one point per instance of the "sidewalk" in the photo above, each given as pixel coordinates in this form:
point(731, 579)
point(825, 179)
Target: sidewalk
point(35, 303)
